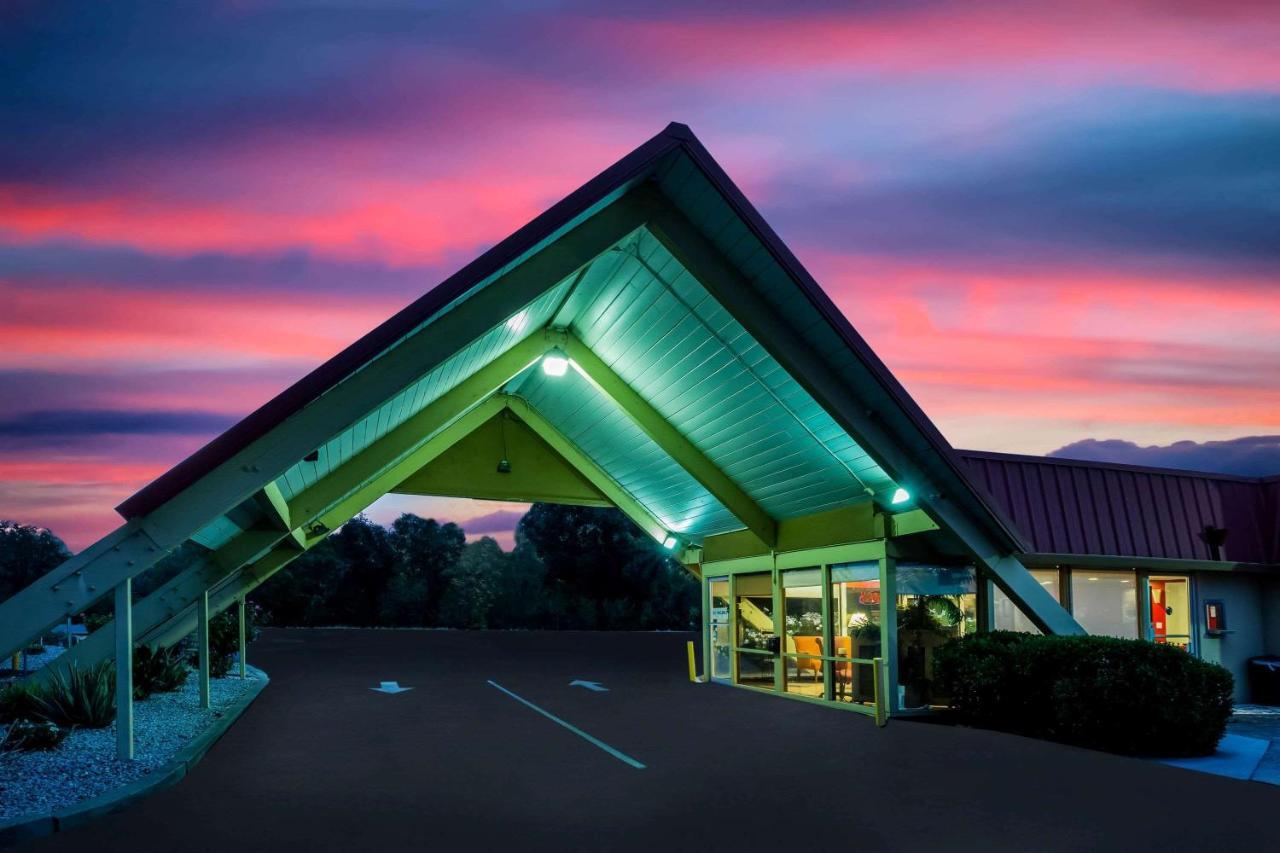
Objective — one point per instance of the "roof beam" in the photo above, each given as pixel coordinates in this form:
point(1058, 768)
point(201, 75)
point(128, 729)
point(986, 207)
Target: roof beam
point(588, 467)
point(388, 478)
point(704, 261)
point(385, 453)
point(222, 596)
point(671, 440)
point(145, 539)
point(175, 595)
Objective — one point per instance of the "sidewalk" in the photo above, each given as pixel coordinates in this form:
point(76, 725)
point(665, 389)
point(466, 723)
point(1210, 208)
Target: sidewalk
point(1261, 722)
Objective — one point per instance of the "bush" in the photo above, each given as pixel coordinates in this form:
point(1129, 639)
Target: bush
point(29, 736)
point(158, 670)
point(17, 701)
point(224, 639)
point(75, 696)
point(1125, 696)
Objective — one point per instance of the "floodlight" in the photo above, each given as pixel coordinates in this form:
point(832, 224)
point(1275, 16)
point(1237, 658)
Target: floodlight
point(555, 365)
point(900, 496)
point(670, 543)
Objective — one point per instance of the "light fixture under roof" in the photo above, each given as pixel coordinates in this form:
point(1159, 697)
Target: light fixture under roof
point(554, 365)
point(900, 496)
point(670, 542)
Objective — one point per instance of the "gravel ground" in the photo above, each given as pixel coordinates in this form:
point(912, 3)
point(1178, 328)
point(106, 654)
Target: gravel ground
point(34, 662)
point(85, 765)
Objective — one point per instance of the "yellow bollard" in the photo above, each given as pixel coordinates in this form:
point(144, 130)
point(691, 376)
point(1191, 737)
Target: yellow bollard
point(693, 664)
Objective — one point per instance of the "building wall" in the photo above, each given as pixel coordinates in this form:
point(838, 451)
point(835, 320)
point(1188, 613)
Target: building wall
point(1248, 616)
point(1270, 614)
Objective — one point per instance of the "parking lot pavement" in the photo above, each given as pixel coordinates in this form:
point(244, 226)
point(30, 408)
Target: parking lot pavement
point(323, 762)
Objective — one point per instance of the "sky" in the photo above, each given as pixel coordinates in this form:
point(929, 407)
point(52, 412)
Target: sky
point(1056, 223)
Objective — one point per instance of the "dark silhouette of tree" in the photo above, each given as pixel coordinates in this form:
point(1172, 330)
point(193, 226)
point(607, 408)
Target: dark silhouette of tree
point(572, 567)
point(473, 582)
point(424, 552)
point(26, 553)
point(364, 550)
point(599, 557)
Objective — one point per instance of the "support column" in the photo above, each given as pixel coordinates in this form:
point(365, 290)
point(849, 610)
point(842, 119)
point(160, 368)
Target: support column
point(889, 629)
point(124, 669)
point(243, 645)
point(202, 645)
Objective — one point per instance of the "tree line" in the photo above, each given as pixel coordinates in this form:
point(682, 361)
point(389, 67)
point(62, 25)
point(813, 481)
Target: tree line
point(571, 568)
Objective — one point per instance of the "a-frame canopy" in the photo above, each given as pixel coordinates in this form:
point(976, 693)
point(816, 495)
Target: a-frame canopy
point(649, 341)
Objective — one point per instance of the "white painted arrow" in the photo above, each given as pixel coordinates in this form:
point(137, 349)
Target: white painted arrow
point(590, 685)
point(390, 687)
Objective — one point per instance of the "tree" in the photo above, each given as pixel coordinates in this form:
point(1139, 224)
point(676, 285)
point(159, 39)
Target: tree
point(424, 551)
point(604, 572)
point(522, 598)
point(27, 553)
point(473, 581)
point(364, 550)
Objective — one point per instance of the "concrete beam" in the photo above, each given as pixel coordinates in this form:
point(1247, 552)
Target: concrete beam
point(671, 440)
point(586, 466)
point(139, 544)
point(697, 254)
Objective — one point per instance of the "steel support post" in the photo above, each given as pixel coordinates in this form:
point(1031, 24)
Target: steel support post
point(124, 669)
point(202, 645)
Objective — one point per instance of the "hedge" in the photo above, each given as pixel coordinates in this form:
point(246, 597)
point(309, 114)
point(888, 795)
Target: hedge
point(1125, 696)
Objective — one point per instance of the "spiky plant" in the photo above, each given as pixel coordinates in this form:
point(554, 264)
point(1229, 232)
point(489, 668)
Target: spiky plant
point(78, 696)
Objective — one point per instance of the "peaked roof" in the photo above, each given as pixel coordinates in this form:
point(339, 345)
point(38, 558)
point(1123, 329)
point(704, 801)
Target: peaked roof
point(861, 415)
point(715, 388)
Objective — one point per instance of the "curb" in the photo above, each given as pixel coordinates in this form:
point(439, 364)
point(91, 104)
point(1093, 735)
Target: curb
point(25, 829)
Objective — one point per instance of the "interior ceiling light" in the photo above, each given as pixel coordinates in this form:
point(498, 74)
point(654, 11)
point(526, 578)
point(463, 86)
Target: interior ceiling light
point(900, 496)
point(554, 365)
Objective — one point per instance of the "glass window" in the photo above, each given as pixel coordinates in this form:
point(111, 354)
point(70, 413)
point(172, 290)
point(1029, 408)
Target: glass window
point(935, 604)
point(1009, 616)
point(802, 633)
point(1171, 610)
point(755, 629)
point(855, 629)
point(1105, 602)
point(721, 647)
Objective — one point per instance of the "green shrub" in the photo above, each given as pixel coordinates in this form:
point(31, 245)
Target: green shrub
point(224, 639)
point(29, 736)
point(75, 696)
point(1126, 696)
point(17, 701)
point(158, 670)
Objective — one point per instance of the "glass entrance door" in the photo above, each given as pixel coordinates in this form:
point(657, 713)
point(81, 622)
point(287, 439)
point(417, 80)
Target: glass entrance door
point(755, 638)
point(1170, 618)
point(720, 626)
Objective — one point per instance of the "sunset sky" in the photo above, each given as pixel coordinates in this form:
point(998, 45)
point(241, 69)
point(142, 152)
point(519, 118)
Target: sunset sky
point(1054, 224)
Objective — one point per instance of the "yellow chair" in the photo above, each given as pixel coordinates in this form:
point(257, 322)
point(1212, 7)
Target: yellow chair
point(809, 646)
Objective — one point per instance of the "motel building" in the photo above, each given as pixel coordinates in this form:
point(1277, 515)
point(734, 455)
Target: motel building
point(649, 343)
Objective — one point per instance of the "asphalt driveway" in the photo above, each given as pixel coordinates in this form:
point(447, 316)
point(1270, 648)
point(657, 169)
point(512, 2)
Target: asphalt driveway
point(321, 762)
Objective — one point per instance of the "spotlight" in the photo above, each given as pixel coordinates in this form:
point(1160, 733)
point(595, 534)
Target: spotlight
point(555, 365)
point(670, 543)
point(900, 496)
